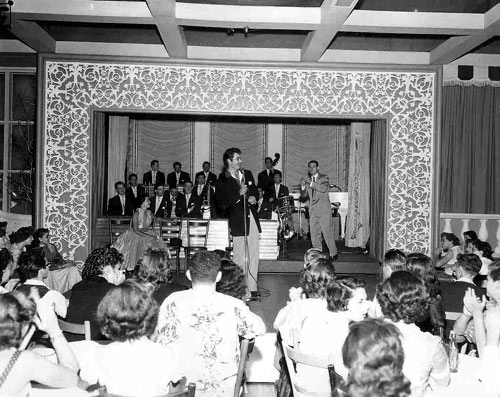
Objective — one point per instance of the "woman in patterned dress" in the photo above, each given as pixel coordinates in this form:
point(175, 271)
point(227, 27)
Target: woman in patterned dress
point(134, 242)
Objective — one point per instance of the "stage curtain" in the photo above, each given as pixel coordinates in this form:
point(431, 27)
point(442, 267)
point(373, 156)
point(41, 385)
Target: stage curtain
point(131, 162)
point(99, 172)
point(358, 214)
point(250, 138)
point(166, 141)
point(117, 150)
point(470, 150)
point(326, 143)
point(378, 175)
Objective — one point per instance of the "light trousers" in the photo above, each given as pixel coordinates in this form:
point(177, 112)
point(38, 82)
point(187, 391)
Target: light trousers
point(253, 254)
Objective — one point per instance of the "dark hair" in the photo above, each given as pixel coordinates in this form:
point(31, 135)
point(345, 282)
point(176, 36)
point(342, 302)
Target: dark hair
point(229, 154)
point(313, 253)
point(127, 312)
point(5, 260)
point(155, 268)
point(153, 162)
point(140, 200)
point(470, 263)
point(21, 234)
point(470, 235)
point(315, 278)
point(268, 158)
point(176, 163)
point(451, 237)
point(188, 181)
point(98, 260)
point(131, 175)
point(340, 290)
point(422, 266)
point(403, 297)
point(494, 271)
point(313, 161)
point(119, 183)
point(16, 312)
point(232, 282)
point(395, 259)
point(374, 355)
point(484, 247)
point(206, 162)
point(30, 263)
point(277, 172)
point(39, 233)
point(204, 267)
point(221, 253)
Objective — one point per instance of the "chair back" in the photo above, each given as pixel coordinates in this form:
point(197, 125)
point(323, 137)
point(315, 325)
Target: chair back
point(117, 226)
point(78, 329)
point(196, 236)
point(246, 347)
point(170, 231)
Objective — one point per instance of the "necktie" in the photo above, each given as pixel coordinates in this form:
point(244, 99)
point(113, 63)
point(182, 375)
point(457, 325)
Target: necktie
point(314, 180)
point(153, 178)
point(122, 200)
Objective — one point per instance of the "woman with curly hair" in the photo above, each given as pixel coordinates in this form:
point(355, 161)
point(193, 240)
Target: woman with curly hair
point(20, 240)
point(324, 333)
point(421, 266)
point(155, 269)
point(314, 280)
point(232, 281)
point(447, 255)
point(133, 365)
point(374, 355)
point(404, 300)
point(100, 273)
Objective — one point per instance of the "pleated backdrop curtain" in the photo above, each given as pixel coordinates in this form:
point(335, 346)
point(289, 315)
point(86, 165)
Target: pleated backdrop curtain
point(164, 140)
point(470, 150)
point(117, 151)
point(250, 138)
point(322, 142)
point(378, 183)
point(99, 172)
point(358, 214)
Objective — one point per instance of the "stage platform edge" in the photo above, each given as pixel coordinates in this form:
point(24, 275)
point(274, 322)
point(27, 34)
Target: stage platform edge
point(341, 267)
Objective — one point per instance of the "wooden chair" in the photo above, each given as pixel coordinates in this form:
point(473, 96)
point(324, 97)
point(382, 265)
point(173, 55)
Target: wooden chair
point(170, 230)
point(292, 357)
point(196, 236)
point(78, 329)
point(246, 347)
point(117, 226)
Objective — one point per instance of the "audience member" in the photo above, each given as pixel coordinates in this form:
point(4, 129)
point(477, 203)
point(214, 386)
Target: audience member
point(323, 333)
point(178, 177)
point(21, 367)
point(404, 300)
point(421, 266)
point(4, 240)
point(20, 239)
point(469, 236)
point(210, 324)
point(314, 280)
point(155, 269)
point(483, 250)
point(6, 268)
point(394, 261)
point(132, 365)
point(490, 358)
point(447, 256)
point(101, 271)
point(374, 355)
point(232, 281)
point(121, 204)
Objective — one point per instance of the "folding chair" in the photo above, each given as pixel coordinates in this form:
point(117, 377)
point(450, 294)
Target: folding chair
point(77, 329)
point(196, 236)
point(246, 347)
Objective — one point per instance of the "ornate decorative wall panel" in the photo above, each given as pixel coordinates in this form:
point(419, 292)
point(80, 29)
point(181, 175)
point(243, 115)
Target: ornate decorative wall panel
point(73, 88)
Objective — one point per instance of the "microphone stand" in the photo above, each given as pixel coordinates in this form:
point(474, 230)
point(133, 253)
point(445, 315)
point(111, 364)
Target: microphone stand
point(245, 240)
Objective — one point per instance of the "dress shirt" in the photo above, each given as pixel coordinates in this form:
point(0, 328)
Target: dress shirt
point(122, 200)
point(153, 177)
point(134, 190)
point(158, 202)
point(200, 190)
point(277, 190)
point(206, 178)
point(177, 177)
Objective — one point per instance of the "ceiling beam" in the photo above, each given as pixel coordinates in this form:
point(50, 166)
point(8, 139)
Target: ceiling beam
point(333, 15)
point(31, 34)
point(455, 47)
point(172, 35)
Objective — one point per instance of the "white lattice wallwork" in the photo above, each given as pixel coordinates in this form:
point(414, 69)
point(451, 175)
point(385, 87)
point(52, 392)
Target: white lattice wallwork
point(72, 89)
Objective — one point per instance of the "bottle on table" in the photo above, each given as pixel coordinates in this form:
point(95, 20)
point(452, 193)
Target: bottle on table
point(453, 352)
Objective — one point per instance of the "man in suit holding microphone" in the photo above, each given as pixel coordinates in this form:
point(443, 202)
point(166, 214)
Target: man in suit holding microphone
point(315, 188)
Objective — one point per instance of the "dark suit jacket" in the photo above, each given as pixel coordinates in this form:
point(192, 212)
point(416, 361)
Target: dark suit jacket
point(162, 207)
point(165, 289)
point(193, 200)
point(204, 196)
point(271, 193)
point(172, 179)
point(180, 205)
point(212, 178)
point(265, 182)
point(147, 178)
point(115, 206)
point(453, 295)
point(266, 209)
point(140, 193)
point(228, 197)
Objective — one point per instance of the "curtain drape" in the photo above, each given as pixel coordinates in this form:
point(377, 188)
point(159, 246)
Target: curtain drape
point(131, 162)
point(470, 147)
point(358, 214)
point(326, 143)
point(378, 175)
point(117, 151)
point(99, 171)
point(250, 138)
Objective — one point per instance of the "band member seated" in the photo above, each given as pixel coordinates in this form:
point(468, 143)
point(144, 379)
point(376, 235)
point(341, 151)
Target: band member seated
point(159, 202)
point(264, 207)
point(192, 209)
point(278, 190)
point(176, 204)
point(154, 177)
point(121, 204)
point(178, 177)
point(265, 179)
point(210, 177)
point(134, 190)
point(201, 190)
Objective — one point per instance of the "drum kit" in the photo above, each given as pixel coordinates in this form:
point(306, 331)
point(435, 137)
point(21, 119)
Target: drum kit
point(284, 208)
